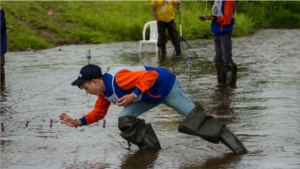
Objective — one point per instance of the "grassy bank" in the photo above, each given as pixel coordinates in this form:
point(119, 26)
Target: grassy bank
point(40, 25)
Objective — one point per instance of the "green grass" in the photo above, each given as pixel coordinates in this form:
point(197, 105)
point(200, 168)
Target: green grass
point(45, 24)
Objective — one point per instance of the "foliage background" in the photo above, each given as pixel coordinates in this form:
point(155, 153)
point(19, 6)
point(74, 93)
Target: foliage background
point(33, 25)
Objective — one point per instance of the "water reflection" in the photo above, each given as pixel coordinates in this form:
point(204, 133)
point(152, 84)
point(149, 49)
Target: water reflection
point(223, 98)
point(3, 95)
point(140, 160)
point(223, 161)
point(155, 59)
point(263, 110)
point(162, 60)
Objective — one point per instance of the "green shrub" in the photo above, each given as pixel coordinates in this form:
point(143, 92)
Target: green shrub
point(44, 24)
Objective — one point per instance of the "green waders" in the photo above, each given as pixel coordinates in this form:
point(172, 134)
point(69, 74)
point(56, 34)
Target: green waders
point(136, 131)
point(226, 72)
point(197, 123)
point(219, 64)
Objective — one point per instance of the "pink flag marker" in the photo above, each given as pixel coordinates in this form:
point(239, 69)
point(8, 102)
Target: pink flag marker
point(51, 121)
point(104, 121)
point(27, 122)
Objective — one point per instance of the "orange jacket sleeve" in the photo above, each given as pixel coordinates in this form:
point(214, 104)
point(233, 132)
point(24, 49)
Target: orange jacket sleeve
point(142, 80)
point(99, 111)
point(229, 7)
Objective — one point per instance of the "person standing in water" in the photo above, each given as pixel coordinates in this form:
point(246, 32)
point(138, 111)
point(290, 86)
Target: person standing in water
point(163, 12)
point(139, 89)
point(222, 22)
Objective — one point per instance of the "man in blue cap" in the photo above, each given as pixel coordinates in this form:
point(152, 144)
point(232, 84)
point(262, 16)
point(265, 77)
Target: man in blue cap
point(142, 88)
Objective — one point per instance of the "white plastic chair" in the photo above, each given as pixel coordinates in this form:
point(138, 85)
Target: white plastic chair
point(153, 34)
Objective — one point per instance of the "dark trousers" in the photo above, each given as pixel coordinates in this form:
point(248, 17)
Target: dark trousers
point(162, 37)
point(223, 44)
point(2, 67)
point(2, 61)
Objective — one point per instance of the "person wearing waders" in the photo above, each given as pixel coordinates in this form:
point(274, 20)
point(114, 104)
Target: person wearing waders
point(139, 89)
point(222, 26)
point(163, 12)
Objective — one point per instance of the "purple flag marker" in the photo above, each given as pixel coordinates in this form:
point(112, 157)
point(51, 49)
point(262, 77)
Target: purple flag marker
point(27, 122)
point(2, 127)
point(51, 121)
point(104, 121)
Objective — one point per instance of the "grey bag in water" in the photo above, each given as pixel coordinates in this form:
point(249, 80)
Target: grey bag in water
point(136, 131)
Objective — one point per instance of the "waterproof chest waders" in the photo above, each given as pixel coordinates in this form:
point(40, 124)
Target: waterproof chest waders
point(197, 123)
point(219, 64)
point(230, 70)
point(226, 72)
point(137, 132)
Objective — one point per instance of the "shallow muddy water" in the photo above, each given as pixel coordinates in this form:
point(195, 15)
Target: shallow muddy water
point(263, 110)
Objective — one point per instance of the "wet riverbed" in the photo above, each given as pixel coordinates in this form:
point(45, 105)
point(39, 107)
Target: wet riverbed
point(263, 110)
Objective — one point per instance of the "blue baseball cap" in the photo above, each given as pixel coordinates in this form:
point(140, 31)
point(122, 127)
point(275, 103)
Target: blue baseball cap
point(87, 73)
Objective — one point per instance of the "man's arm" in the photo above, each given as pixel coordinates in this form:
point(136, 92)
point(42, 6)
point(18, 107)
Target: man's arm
point(98, 113)
point(153, 10)
point(176, 4)
point(140, 81)
point(229, 7)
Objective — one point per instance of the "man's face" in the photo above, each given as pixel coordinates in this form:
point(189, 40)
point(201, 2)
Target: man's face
point(95, 86)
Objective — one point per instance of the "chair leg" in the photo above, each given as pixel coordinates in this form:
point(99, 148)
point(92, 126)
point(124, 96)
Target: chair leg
point(140, 47)
point(156, 48)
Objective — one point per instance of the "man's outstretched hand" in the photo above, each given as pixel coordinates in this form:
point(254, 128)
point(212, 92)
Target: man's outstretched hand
point(67, 120)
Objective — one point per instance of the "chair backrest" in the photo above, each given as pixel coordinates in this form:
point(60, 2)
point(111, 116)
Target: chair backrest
point(153, 31)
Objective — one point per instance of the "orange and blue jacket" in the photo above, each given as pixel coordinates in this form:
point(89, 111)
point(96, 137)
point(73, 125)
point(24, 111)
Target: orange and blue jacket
point(151, 84)
point(223, 13)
